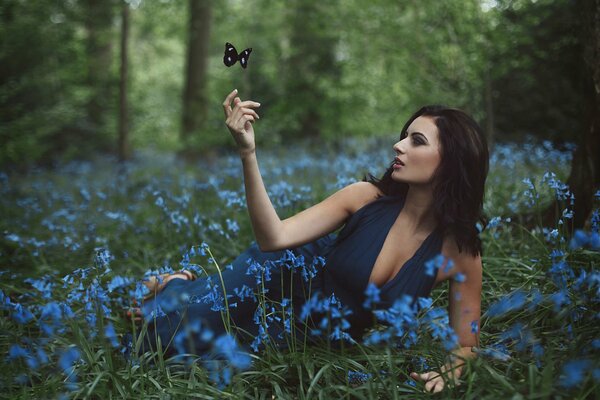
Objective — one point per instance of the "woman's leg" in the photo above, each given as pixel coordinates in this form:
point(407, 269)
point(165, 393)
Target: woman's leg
point(227, 302)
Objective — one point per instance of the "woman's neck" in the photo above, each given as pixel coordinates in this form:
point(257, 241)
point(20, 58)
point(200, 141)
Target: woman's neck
point(418, 209)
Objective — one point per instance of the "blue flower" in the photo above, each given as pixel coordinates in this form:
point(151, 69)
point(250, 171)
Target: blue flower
point(494, 222)
point(579, 239)
point(432, 265)
point(371, 295)
point(559, 298)
point(51, 311)
point(358, 378)
point(67, 359)
point(573, 372)
point(511, 302)
point(43, 285)
point(15, 351)
point(496, 351)
point(226, 346)
point(111, 335)
point(244, 292)
point(475, 326)
point(21, 314)
point(118, 282)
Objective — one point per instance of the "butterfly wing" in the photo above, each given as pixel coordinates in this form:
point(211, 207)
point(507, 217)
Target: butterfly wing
point(231, 55)
point(244, 56)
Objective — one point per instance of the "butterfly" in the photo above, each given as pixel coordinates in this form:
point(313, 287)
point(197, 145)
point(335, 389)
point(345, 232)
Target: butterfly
point(231, 56)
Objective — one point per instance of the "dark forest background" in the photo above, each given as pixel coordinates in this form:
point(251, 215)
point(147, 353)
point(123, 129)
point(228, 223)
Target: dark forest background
point(79, 78)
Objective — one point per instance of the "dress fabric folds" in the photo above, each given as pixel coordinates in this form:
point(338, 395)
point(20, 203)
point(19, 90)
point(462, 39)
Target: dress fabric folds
point(334, 264)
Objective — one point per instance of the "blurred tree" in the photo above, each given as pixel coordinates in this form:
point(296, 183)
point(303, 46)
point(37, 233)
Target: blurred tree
point(311, 72)
point(123, 144)
point(98, 21)
point(584, 179)
point(195, 96)
point(41, 60)
point(536, 69)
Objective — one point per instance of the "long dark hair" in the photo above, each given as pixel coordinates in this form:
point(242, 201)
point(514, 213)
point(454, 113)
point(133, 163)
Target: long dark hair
point(459, 180)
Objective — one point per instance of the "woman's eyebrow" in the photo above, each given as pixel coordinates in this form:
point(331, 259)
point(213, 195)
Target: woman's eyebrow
point(418, 133)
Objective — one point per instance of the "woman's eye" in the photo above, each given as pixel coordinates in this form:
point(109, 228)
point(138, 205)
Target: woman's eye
point(417, 141)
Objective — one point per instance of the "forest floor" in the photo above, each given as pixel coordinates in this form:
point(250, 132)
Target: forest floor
point(77, 239)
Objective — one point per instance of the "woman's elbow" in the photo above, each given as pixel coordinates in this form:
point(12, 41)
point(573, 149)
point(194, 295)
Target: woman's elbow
point(267, 246)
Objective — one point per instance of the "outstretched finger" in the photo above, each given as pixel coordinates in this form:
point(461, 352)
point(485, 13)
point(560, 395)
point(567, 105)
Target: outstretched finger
point(227, 103)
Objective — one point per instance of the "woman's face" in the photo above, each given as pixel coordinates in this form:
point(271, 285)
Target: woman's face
point(418, 154)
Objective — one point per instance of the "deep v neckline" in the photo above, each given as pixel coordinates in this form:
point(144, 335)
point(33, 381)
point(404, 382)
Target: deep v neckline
point(409, 260)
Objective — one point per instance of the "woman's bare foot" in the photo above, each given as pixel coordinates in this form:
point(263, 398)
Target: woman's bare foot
point(156, 283)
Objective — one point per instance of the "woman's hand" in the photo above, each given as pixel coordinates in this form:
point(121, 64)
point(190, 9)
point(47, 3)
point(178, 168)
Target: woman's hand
point(434, 382)
point(239, 120)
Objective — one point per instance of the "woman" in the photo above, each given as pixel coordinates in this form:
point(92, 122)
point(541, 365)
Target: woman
point(428, 202)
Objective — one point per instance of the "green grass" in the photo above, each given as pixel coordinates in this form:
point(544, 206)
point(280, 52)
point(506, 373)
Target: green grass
point(54, 220)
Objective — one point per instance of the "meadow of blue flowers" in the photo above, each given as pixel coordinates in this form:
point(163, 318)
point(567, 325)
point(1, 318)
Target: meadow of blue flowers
point(77, 240)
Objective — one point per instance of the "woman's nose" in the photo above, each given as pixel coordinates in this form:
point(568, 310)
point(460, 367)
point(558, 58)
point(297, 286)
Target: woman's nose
point(398, 147)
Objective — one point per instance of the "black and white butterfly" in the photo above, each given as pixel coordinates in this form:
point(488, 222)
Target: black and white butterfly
point(231, 56)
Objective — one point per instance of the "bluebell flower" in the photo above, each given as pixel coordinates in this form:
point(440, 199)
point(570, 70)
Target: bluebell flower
point(475, 326)
point(556, 253)
point(559, 299)
point(42, 285)
point(214, 298)
point(511, 302)
point(118, 282)
point(244, 292)
point(432, 265)
point(111, 335)
point(232, 226)
point(568, 214)
point(227, 346)
point(51, 311)
point(21, 314)
point(371, 296)
point(103, 257)
point(536, 298)
point(595, 221)
point(594, 240)
point(494, 222)
point(15, 352)
point(358, 378)
point(67, 358)
point(410, 382)
point(573, 372)
point(496, 351)
point(42, 356)
point(579, 239)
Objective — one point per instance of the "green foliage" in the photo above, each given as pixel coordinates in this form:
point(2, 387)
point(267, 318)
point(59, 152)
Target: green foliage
point(332, 69)
point(149, 213)
point(538, 69)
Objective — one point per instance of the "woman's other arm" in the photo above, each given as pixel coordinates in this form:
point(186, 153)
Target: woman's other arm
point(270, 231)
point(464, 310)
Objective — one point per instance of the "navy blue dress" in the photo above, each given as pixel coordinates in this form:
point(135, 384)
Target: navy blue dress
point(291, 277)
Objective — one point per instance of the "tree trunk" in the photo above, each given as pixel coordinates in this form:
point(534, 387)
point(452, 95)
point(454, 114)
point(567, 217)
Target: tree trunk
point(585, 174)
point(584, 179)
point(312, 59)
point(489, 110)
point(123, 145)
point(194, 95)
point(98, 24)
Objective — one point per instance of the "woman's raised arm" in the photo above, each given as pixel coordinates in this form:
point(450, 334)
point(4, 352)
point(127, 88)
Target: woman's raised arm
point(270, 231)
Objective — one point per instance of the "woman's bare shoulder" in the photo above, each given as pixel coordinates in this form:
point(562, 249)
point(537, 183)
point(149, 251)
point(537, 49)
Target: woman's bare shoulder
point(464, 262)
point(362, 193)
